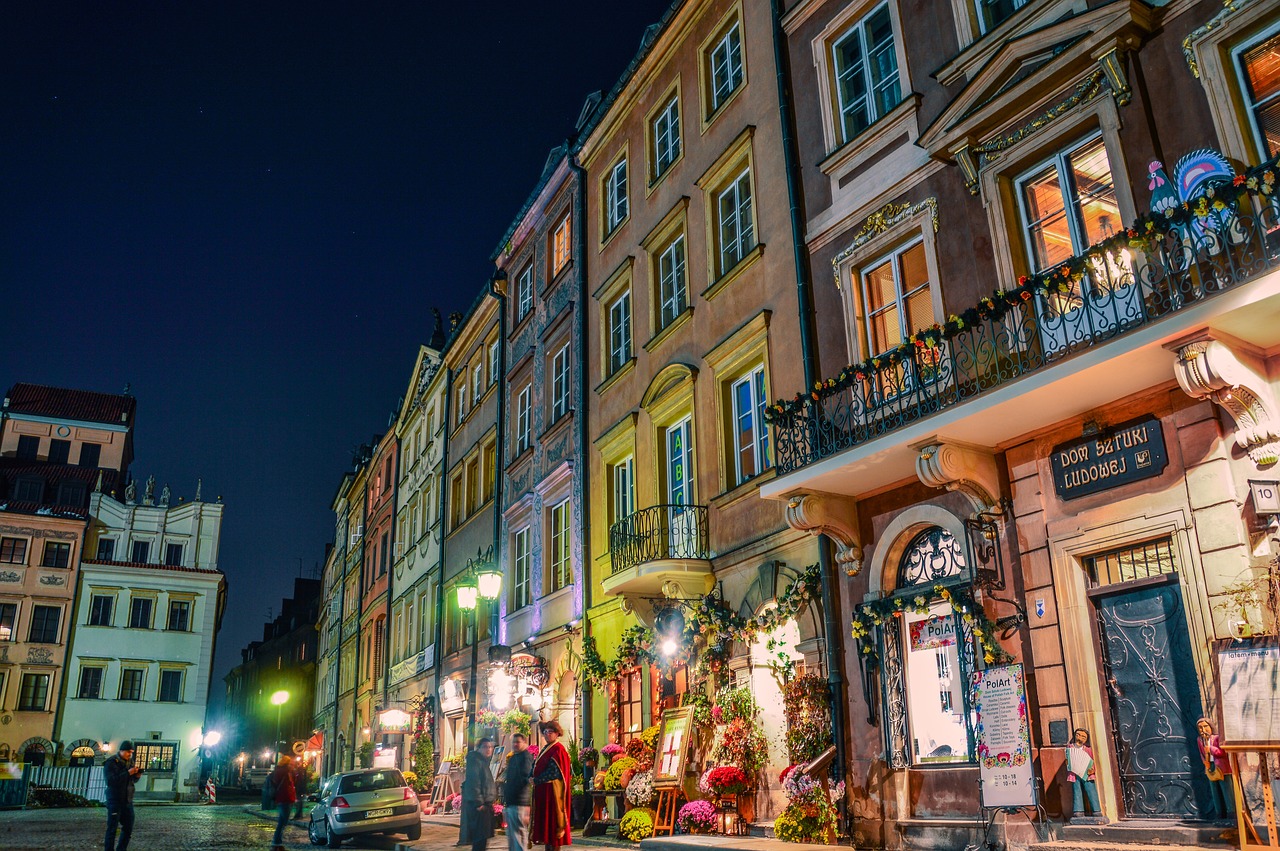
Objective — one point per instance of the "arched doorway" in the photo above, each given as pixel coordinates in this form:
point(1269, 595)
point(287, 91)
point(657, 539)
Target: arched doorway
point(772, 654)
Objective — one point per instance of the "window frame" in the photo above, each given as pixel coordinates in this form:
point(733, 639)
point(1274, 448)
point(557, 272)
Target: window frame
point(92, 449)
point(1060, 160)
point(524, 292)
point(11, 543)
point(521, 568)
point(560, 556)
point(745, 238)
point(622, 488)
point(714, 103)
point(761, 441)
point(493, 361)
point(101, 673)
point(59, 451)
point(662, 126)
point(12, 609)
point(56, 554)
point(188, 611)
point(23, 704)
point(94, 610)
point(561, 254)
point(679, 295)
point(621, 340)
point(160, 685)
point(615, 195)
point(40, 613)
point(150, 602)
point(524, 419)
point(874, 113)
point(146, 553)
point(169, 549)
point(561, 383)
point(126, 678)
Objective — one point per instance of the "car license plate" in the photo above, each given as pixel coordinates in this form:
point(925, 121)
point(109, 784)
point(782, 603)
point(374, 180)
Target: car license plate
point(386, 811)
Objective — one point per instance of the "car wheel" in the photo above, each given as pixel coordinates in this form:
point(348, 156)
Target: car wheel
point(414, 833)
point(333, 839)
point(315, 836)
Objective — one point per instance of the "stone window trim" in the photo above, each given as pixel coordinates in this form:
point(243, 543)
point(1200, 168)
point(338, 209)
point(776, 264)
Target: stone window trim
point(620, 279)
point(609, 227)
point(615, 445)
point(709, 110)
point(1215, 55)
point(739, 354)
point(669, 401)
point(727, 169)
point(673, 225)
point(671, 94)
point(977, 45)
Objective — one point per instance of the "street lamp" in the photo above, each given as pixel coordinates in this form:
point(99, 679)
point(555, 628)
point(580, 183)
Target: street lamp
point(280, 698)
point(483, 580)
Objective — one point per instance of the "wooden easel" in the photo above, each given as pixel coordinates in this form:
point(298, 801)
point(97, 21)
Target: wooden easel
point(1249, 839)
point(664, 819)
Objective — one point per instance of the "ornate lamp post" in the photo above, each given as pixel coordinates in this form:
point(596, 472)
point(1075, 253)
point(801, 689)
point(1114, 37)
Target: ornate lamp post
point(483, 580)
point(280, 698)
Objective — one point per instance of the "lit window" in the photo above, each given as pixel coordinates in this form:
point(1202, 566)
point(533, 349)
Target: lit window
point(620, 332)
point(560, 383)
point(524, 419)
point(897, 300)
point(673, 289)
point(679, 463)
point(561, 568)
point(8, 620)
point(750, 433)
point(623, 475)
point(735, 227)
point(1259, 68)
point(615, 195)
point(725, 66)
point(1068, 204)
point(521, 587)
point(524, 292)
point(560, 251)
point(866, 69)
point(666, 137)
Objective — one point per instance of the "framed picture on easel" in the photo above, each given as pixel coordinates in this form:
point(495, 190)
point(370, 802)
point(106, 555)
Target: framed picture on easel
point(673, 747)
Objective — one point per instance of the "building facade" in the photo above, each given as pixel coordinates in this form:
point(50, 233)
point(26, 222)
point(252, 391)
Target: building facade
point(378, 546)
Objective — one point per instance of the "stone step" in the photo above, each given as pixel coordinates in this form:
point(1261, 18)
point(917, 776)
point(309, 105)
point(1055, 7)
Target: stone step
point(1066, 845)
point(1150, 832)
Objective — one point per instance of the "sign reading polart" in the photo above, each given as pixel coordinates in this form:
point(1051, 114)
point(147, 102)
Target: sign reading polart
point(1120, 455)
point(932, 633)
point(1003, 737)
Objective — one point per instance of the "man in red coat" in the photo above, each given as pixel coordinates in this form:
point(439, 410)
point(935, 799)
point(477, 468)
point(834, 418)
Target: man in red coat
point(552, 790)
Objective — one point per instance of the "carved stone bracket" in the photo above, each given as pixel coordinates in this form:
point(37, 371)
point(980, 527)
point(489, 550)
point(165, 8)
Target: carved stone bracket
point(970, 470)
point(833, 516)
point(1112, 64)
point(1234, 378)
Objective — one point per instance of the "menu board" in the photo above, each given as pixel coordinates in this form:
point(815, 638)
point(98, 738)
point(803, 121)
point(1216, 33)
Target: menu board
point(673, 746)
point(1003, 736)
point(1248, 682)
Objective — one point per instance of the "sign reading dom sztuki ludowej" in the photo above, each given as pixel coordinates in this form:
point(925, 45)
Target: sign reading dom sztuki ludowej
point(1120, 455)
point(1003, 737)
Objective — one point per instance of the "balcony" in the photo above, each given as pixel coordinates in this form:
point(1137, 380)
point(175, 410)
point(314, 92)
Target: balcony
point(1042, 355)
point(660, 550)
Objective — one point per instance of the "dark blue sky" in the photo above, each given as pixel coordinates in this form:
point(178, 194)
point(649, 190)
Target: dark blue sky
point(247, 210)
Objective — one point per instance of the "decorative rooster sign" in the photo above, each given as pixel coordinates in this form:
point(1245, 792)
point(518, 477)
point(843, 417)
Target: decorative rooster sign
point(1191, 177)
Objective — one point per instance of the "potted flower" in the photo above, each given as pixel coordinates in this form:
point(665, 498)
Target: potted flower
point(611, 750)
point(640, 791)
point(723, 780)
point(636, 825)
point(589, 756)
point(697, 817)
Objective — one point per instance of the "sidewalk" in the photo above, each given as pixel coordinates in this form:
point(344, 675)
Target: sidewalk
point(724, 843)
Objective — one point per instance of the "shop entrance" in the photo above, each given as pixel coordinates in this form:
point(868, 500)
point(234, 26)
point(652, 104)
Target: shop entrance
point(1150, 682)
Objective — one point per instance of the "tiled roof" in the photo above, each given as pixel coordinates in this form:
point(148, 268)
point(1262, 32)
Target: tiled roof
point(12, 469)
point(177, 568)
point(41, 510)
point(61, 403)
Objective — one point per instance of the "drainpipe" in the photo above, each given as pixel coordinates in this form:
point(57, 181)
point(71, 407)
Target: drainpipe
point(584, 454)
point(809, 352)
point(444, 527)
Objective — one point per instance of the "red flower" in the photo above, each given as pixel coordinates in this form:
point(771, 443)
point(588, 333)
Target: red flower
point(1026, 296)
point(1022, 280)
point(1238, 180)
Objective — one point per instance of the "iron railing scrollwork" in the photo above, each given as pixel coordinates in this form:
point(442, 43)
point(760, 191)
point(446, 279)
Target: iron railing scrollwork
point(659, 532)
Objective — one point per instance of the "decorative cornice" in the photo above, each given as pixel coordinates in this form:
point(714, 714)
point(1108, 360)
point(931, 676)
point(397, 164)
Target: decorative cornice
point(1189, 43)
point(833, 516)
point(1208, 368)
point(882, 220)
point(1088, 88)
point(968, 470)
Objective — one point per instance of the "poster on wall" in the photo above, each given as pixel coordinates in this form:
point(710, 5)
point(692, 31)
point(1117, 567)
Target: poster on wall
point(1248, 674)
point(673, 746)
point(1003, 735)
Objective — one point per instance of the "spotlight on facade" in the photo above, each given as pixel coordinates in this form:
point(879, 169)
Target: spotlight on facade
point(211, 738)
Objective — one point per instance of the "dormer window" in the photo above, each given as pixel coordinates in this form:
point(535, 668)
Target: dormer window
point(71, 494)
point(29, 489)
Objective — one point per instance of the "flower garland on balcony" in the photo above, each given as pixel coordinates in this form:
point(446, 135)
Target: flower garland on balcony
point(870, 615)
point(1217, 197)
point(713, 626)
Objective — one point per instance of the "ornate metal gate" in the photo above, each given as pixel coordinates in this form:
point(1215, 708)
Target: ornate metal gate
point(1155, 699)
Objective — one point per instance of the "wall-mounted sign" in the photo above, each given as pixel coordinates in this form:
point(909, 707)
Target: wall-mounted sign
point(1003, 737)
point(1266, 496)
point(1120, 455)
point(932, 633)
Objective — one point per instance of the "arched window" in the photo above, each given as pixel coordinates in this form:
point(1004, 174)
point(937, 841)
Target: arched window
point(927, 659)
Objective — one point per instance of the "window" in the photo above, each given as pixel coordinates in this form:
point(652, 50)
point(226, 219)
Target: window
point(170, 687)
point(665, 130)
point(179, 616)
point(34, 693)
point(735, 227)
point(866, 69)
point(750, 433)
point(477, 382)
point(615, 196)
point(473, 486)
point(560, 383)
point(493, 361)
point(623, 479)
point(385, 562)
point(173, 555)
point(424, 620)
point(1259, 68)
point(620, 332)
point(141, 552)
point(8, 620)
point(462, 397)
point(1068, 204)
point(72, 494)
point(28, 447)
point(100, 607)
point(897, 299)
point(44, 625)
point(29, 489)
point(521, 586)
point(90, 454)
point(725, 66)
point(140, 612)
point(991, 13)
point(90, 684)
point(673, 286)
point(524, 417)
point(630, 701)
point(1144, 561)
point(131, 685)
point(561, 568)
point(155, 756)
point(59, 451)
point(106, 549)
point(457, 501)
point(524, 292)
point(490, 470)
point(13, 550)
point(560, 251)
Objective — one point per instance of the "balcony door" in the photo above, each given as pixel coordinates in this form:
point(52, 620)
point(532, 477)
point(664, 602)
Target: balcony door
point(682, 531)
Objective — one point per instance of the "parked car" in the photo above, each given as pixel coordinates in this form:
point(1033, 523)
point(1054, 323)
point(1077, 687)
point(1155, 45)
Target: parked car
point(354, 803)
point(254, 778)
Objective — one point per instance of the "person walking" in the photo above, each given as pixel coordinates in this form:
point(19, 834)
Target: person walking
point(552, 790)
point(121, 777)
point(479, 793)
point(517, 793)
point(281, 780)
point(299, 787)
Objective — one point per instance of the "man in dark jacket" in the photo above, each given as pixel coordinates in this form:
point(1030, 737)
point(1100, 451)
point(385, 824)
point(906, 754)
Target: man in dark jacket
point(121, 778)
point(479, 793)
point(517, 793)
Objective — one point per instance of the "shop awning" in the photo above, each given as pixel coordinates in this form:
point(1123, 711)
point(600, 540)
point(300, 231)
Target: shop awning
point(316, 742)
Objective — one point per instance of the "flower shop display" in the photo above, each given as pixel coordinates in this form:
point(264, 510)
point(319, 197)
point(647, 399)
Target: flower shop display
point(637, 824)
point(589, 756)
point(515, 721)
point(805, 702)
point(611, 750)
point(810, 811)
point(640, 791)
point(635, 748)
point(620, 773)
point(489, 719)
point(723, 780)
point(743, 744)
point(697, 817)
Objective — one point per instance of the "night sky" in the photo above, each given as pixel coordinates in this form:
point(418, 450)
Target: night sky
point(245, 211)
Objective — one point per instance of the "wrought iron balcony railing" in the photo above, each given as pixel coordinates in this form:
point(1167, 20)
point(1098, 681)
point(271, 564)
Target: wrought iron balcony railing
point(1112, 293)
point(657, 533)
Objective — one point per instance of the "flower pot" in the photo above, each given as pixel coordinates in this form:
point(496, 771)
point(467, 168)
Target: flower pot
point(627, 777)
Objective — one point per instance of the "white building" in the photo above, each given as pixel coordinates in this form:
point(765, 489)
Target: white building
point(149, 605)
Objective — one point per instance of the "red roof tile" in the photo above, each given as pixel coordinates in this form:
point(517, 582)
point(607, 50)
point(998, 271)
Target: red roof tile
point(152, 566)
point(61, 403)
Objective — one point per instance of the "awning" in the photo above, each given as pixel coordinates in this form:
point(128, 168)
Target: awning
point(316, 742)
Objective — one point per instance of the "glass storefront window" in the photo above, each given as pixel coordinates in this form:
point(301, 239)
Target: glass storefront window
point(935, 688)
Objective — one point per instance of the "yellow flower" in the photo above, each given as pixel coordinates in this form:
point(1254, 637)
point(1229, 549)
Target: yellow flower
point(988, 658)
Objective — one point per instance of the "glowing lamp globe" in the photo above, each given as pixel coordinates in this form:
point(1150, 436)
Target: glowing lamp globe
point(467, 594)
point(490, 583)
point(280, 698)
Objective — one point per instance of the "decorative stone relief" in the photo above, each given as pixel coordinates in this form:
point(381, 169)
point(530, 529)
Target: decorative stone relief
point(970, 470)
point(39, 656)
point(833, 516)
point(1209, 368)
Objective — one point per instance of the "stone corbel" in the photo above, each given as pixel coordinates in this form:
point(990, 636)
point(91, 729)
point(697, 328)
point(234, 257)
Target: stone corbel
point(1233, 377)
point(969, 470)
point(1112, 64)
point(833, 516)
point(963, 155)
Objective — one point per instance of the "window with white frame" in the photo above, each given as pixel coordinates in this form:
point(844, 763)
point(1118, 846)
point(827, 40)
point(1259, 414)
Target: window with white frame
point(992, 13)
point(724, 62)
point(493, 362)
point(521, 584)
point(90, 683)
point(734, 224)
point(1258, 64)
point(170, 690)
point(865, 63)
point(665, 130)
point(524, 292)
point(1068, 204)
point(615, 196)
point(620, 331)
point(477, 382)
point(673, 285)
point(750, 433)
point(561, 568)
point(560, 250)
point(623, 482)
point(524, 419)
point(461, 398)
point(897, 299)
point(560, 383)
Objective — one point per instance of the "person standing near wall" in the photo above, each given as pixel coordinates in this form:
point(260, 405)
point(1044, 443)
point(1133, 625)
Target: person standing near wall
point(517, 793)
point(121, 777)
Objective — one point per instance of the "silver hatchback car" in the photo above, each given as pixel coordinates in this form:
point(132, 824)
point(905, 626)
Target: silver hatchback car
point(371, 800)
